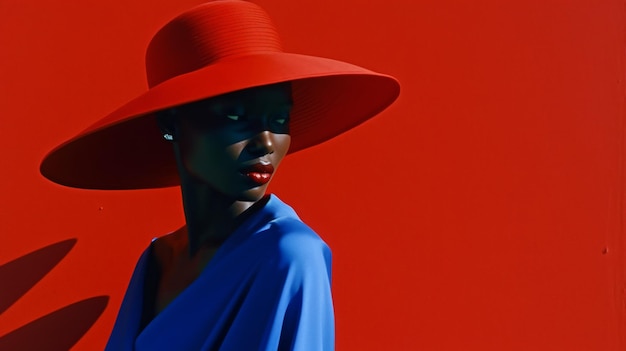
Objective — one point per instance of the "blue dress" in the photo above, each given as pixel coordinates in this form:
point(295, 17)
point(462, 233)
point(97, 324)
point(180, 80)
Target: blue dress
point(266, 288)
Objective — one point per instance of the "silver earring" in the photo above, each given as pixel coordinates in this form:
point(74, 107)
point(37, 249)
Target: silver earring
point(168, 137)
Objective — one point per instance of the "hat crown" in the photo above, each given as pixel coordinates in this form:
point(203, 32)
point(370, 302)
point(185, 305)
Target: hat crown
point(207, 34)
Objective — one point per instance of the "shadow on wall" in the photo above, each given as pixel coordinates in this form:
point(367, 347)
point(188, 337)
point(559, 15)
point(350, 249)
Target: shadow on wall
point(59, 330)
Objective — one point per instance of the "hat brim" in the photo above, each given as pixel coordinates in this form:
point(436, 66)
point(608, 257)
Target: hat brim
point(125, 150)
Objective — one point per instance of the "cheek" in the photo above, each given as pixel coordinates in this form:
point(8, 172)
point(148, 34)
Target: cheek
point(282, 142)
point(209, 155)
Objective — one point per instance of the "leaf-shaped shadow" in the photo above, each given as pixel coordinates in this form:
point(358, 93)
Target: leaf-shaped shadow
point(20, 275)
point(59, 330)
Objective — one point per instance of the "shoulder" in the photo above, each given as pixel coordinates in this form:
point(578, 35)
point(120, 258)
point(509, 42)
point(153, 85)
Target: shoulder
point(298, 247)
point(291, 238)
point(296, 241)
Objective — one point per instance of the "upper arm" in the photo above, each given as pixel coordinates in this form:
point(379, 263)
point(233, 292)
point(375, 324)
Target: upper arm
point(288, 305)
point(308, 322)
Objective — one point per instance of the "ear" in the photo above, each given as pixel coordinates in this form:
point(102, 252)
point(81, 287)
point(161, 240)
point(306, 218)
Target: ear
point(166, 120)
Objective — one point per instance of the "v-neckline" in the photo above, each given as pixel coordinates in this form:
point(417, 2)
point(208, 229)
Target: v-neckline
point(152, 272)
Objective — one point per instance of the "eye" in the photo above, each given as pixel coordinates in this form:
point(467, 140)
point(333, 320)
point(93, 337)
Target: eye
point(281, 119)
point(233, 117)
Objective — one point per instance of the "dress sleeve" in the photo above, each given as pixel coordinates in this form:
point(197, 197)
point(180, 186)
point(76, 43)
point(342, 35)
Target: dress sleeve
point(288, 305)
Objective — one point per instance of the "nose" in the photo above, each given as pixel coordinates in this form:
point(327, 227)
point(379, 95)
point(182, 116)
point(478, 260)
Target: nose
point(262, 143)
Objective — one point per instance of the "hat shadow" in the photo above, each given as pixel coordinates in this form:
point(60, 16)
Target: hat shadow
point(21, 274)
point(56, 331)
point(59, 330)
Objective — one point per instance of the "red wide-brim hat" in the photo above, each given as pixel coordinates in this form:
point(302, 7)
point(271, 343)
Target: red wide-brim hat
point(216, 48)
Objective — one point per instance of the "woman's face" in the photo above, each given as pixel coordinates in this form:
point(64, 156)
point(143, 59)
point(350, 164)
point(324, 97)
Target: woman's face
point(235, 142)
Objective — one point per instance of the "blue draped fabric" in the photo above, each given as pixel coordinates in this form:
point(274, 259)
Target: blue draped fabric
point(266, 288)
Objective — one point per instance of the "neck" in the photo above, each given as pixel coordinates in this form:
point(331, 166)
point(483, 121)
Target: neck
point(210, 216)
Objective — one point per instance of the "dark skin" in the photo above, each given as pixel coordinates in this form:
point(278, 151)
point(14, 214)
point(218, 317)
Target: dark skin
point(214, 142)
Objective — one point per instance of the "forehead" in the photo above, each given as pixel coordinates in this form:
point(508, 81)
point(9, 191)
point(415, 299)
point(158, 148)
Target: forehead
point(263, 97)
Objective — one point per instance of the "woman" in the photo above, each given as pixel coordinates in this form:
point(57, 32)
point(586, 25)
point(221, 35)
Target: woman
point(225, 105)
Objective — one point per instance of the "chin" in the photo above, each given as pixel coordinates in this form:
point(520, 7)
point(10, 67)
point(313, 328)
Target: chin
point(253, 195)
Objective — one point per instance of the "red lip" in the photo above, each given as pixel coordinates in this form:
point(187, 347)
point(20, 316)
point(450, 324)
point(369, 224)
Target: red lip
point(258, 173)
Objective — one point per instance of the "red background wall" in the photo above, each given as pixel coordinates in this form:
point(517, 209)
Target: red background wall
point(483, 210)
